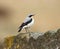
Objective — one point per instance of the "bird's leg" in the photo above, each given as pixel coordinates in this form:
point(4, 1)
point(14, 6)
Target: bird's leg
point(28, 35)
point(28, 31)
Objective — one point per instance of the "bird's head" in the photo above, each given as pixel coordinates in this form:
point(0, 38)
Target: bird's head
point(31, 15)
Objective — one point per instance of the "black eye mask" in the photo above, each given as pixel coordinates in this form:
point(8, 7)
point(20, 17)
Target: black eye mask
point(31, 15)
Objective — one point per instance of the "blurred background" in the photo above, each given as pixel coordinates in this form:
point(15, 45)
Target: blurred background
point(13, 13)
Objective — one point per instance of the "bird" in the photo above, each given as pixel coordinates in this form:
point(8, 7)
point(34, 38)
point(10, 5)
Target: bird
point(27, 23)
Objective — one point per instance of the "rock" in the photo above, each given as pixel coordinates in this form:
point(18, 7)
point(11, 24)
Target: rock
point(47, 40)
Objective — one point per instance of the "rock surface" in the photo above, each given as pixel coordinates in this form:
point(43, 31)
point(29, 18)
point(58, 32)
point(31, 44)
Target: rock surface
point(48, 40)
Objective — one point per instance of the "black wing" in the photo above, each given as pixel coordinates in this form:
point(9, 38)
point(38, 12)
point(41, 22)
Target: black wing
point(26, 23)
point(20, 28)
point(23, 24)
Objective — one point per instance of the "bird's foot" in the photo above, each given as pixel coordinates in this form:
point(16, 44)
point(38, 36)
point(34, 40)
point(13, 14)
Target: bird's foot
point(29, 34)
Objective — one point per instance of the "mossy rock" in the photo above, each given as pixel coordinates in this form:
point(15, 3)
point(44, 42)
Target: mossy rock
point(48, 40)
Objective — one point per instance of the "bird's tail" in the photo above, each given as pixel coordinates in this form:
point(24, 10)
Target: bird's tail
point(20, 29)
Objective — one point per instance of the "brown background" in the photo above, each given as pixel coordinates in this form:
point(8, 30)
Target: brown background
point(47, 15)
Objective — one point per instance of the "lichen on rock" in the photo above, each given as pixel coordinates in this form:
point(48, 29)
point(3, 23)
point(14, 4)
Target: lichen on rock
point(47, 40)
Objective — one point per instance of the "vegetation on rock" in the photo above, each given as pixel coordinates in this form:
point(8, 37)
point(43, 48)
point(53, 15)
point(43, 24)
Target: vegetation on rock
point(49, 40)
